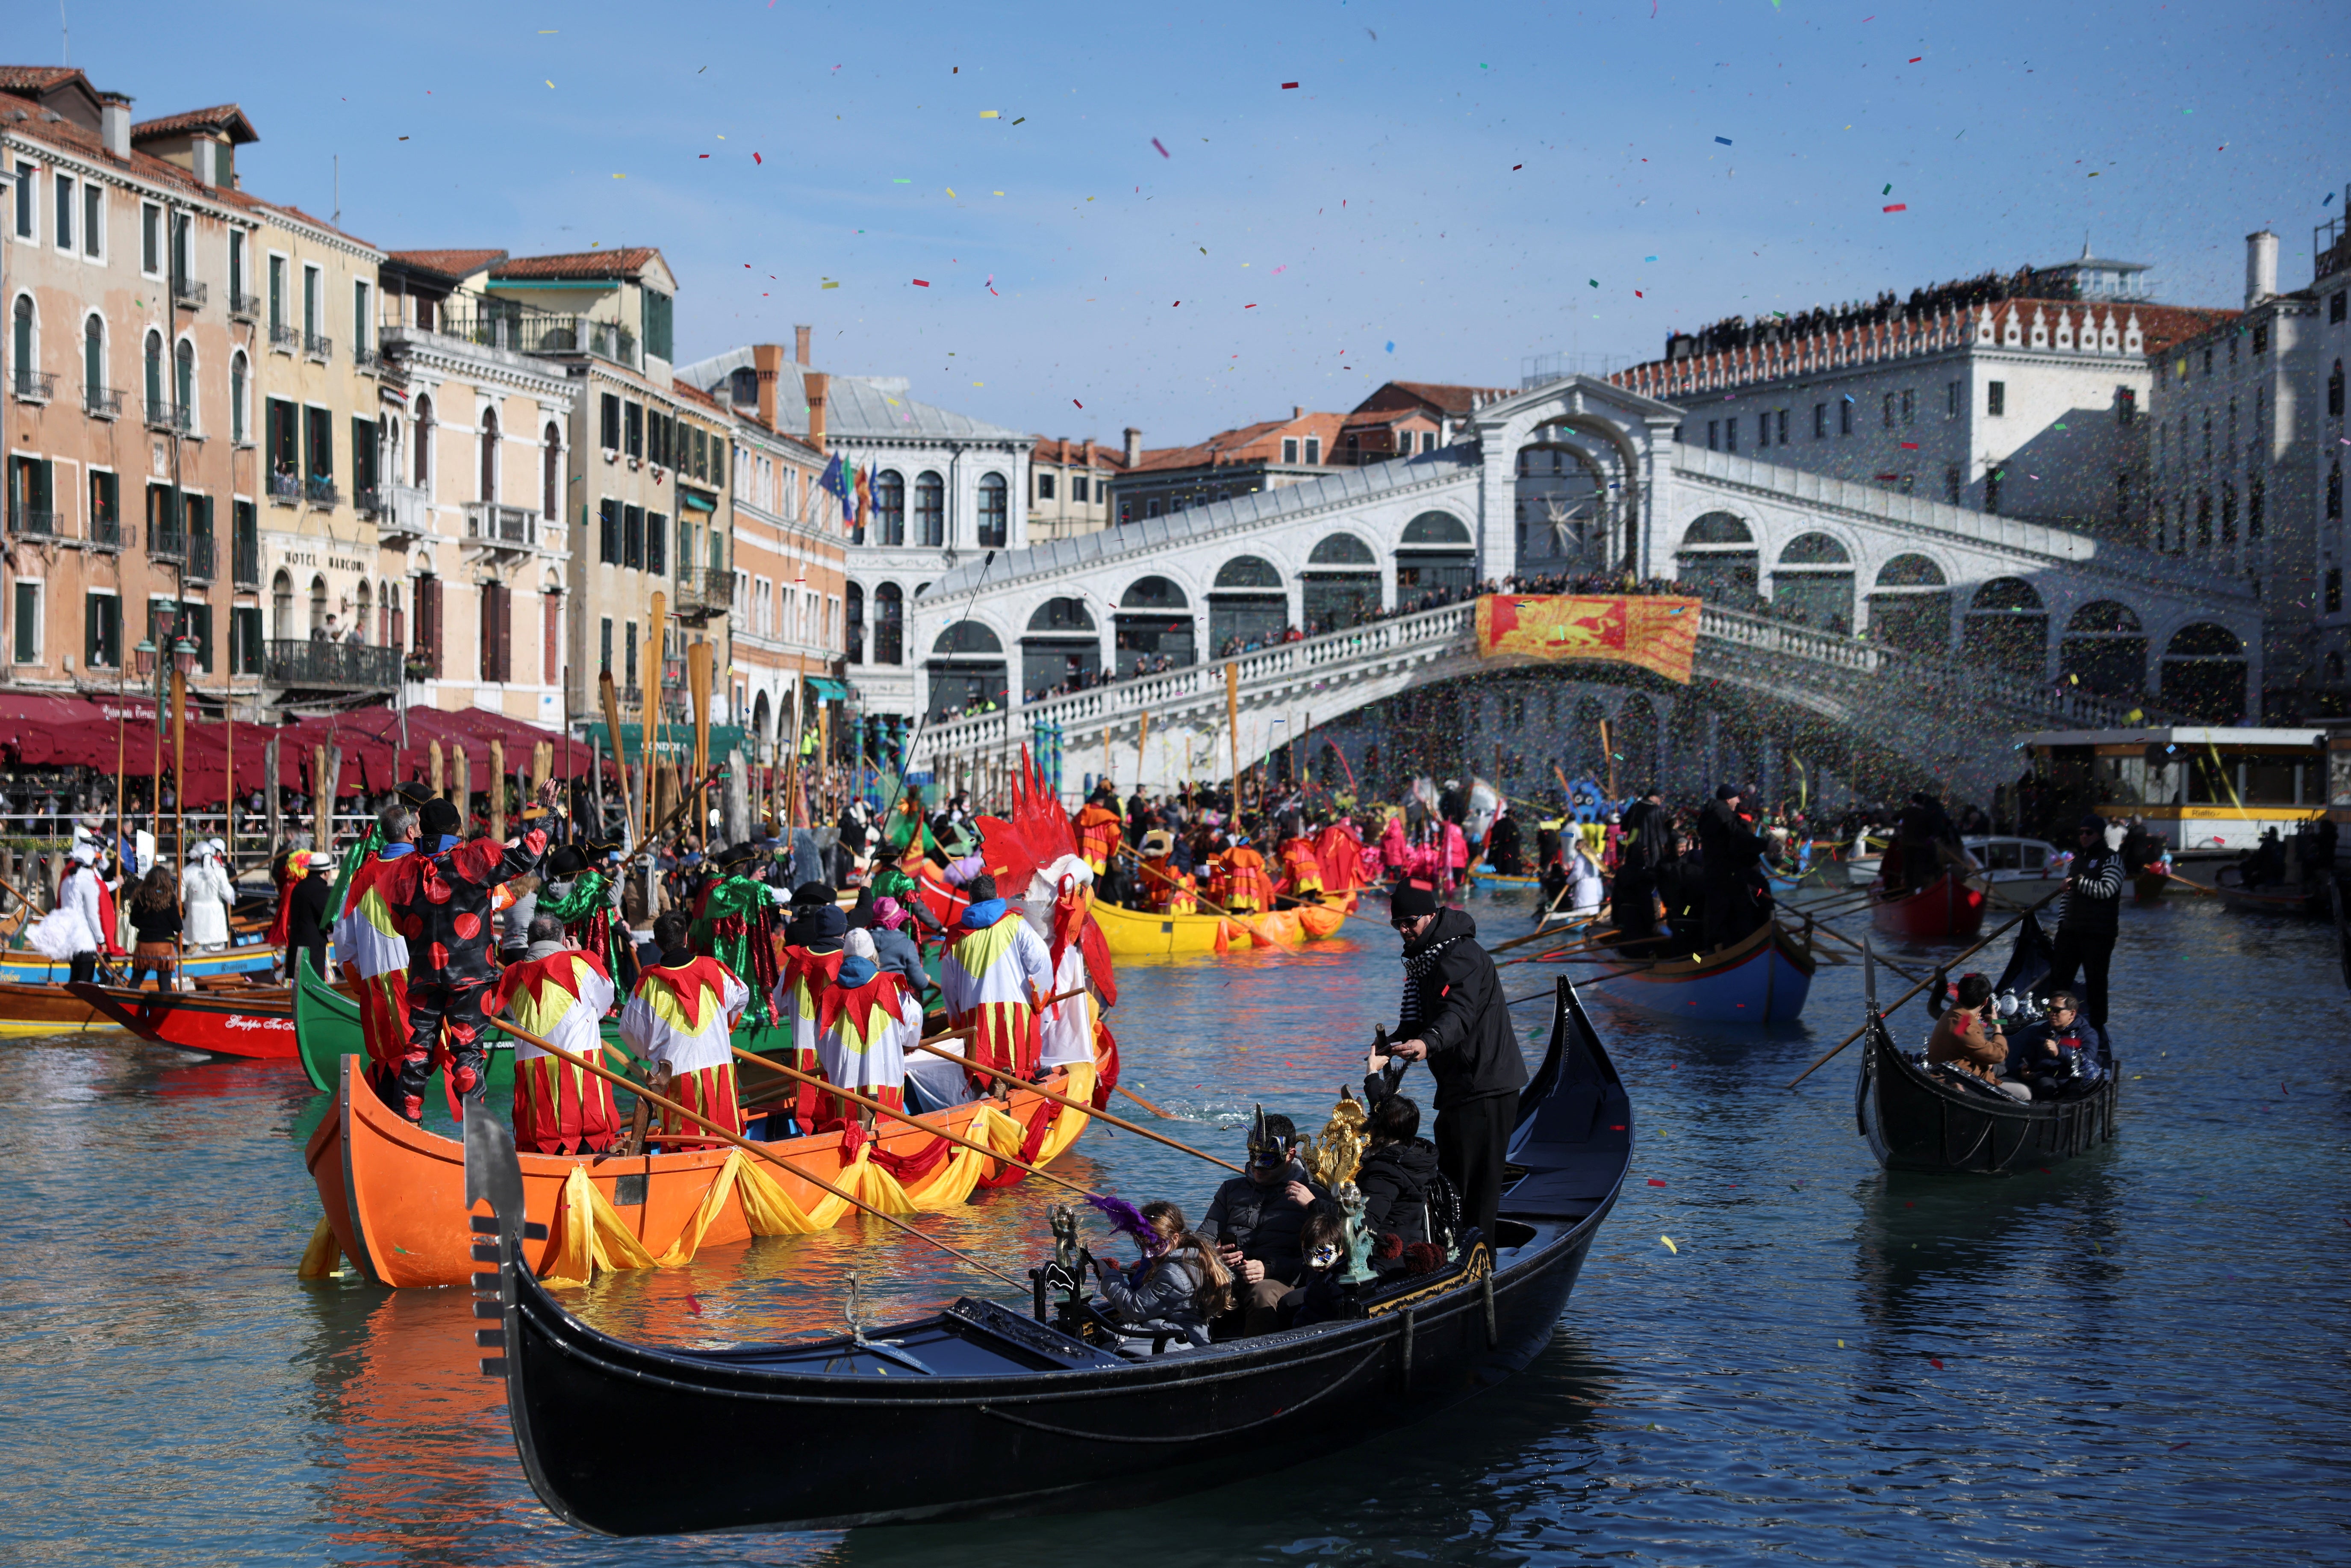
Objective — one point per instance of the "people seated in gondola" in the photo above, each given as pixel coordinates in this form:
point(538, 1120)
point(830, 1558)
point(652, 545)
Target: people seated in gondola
point(1301, 867)
point(1968, 1039)
point(681, 1019)
point(2060, 1055)
point(1179, 1280)
point(1398, 1172)
point(1255, 1218)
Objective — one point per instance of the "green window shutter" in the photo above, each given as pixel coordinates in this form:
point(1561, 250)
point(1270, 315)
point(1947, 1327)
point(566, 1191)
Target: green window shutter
point(28, 610)
point(91, 634)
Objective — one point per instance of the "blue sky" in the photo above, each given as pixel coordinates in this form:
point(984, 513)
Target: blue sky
point(1469, 184)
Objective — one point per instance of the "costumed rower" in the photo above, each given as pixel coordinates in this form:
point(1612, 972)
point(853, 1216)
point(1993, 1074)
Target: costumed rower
point(811, 958)
point(585, 900)
point(441, 901)
point(867, 1026)
point(735, 923)
point(374, 955)
point(1099, 830)
point(682, 1020)
point(206, 893)
point(1301, 865)
point(992, 975)
point(1240, 879)
point(559, 993)
point(1058, 909)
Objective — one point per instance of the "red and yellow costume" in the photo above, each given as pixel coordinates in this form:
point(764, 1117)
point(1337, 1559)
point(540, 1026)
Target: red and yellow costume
point(994, 972)
point(1238, 882)
point(865, 1031)
point(558, 1109)
point(1099, 836)
point(1302, 868)
point(374, 957)
point(1167, 889)
point(684, 1017)
point(798, 1000)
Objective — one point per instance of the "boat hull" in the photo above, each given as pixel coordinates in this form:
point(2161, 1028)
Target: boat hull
point(255, 1024)
point(1764, 977)
point(1914, 1122)
point(1026, 1420)
point(25, 967)
point(326, 1028)
point(394, 1194)
point(2310, 901)
point(1944, 910)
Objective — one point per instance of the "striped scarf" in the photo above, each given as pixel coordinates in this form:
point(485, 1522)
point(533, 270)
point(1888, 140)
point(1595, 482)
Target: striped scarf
point(1417, 966)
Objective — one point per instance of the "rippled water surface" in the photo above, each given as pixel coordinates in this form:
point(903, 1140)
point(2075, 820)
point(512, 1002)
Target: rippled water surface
point(2141, 1356)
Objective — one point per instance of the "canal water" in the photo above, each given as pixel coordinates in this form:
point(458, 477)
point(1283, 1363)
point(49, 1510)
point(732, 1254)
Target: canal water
point(2137, 1358)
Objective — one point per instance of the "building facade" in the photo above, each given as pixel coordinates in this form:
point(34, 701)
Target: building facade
point(1070, 485)
point(1264, 457)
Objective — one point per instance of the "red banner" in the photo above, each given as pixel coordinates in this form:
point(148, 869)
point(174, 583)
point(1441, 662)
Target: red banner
point(1659, 634)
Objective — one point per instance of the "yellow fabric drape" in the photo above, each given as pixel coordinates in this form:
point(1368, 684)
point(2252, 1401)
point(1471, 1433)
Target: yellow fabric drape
point(589, 1235)
point(323, 1256)
point(1068, 1123)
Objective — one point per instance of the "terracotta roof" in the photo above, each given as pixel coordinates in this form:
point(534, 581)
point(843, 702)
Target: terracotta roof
point(691, 393)
point(2166, 325)
point(1058, 450)
point(1445, 399)
point(623, 263)
point(447, 263)
point(1234, 445)
point(35, 79)
point(225, 117)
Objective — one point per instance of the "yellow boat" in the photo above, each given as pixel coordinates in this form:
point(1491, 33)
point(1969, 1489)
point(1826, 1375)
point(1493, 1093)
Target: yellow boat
point(1138, 933)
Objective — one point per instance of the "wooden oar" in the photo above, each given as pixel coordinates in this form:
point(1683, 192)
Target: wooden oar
point(1147, 1104)
point(1921, 986)
point(854, 1098)
point(969, 1065)
point(646, 1095)
point(2199, 887)
point(1532, 936)
point(1856, 946)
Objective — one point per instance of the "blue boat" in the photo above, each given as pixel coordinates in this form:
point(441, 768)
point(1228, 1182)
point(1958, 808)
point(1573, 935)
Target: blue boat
point(1762, 978)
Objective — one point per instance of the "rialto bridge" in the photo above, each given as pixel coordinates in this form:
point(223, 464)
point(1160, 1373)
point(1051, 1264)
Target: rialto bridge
point(1879, 630)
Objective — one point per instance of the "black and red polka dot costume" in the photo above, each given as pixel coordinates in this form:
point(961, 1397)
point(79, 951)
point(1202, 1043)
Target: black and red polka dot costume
point(442, 904)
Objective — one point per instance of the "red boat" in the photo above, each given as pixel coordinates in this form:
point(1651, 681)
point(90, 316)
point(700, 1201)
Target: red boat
point(256, 1023)
point(1945, 907)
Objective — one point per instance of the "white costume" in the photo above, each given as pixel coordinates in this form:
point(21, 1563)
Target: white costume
point(1065, 1029)
point(871, 1054)
point(206, 892)
point(1583, 879)
point(75, 925)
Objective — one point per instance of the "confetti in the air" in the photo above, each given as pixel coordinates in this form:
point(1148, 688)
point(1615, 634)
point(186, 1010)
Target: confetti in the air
point(1287, 85)
point(1899, 207)
point(1162, 152)
point(921, 283)
point(1724, 140)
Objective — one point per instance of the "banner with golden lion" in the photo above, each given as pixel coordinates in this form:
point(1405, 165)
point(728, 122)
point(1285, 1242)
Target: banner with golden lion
point(1659, 634)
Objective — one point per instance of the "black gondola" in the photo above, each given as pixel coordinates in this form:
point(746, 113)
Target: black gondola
point(979, 1411)
point(1919, 1118)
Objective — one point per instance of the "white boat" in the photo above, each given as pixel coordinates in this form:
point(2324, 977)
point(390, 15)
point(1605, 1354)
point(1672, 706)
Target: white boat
point(2015, 866)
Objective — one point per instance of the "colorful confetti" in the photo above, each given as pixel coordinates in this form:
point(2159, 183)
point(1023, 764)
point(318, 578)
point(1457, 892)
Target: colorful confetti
point(1899, 207)
point(921, 283)
point(1669, 1244)
point(1724, 140)
point(1287, 85)
point(1162, 152)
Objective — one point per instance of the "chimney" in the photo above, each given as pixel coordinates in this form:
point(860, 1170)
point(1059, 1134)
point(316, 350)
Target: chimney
point(1133, 446)
point(114, 123)
point(815, 382)
point(801, 344)
point(2261, 267)
point(1090, 452)
point(1297, 411)
point(768, 363)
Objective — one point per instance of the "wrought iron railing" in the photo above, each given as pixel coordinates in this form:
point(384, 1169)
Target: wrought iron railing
point(202, 559)
point(355, 666)
point(318, 348)
point(705, 594)
point(102, 403)
point(286, 489)
point(167, 415)
point(106, 531)
point(244, 306)
point(189, 294)
point(167, 542)
point(245, 562)
point(320, 491)
point(31, 385)
point(531, 332)
point(367, 359)
point(34, 520)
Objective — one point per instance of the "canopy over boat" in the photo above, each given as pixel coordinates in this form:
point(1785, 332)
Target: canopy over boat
point(985, 1411)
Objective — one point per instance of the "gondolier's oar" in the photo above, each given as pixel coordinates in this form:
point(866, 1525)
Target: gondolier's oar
point(1042, 1093)
point(1536, 936)
point(1921, 986)
point(943, 1034)
point(2199, 887)
point(1856, 946)
point(745, 1144)
point(854, 1098)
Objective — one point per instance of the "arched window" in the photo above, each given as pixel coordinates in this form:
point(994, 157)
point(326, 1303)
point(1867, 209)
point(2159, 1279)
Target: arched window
point(1719, 558)
point(318, 607)
point(1153, 593)
point(93, 361)
point(1062, 645)
point(1343, 549)
point(424, 429)
point(2103, 652)
point(967, 637)
point(889, 519)
point(1911, 606)
point(1247, 604)
point(2007, 626)
point(889, 624)
point(1153, 624)
point(395, 623)
point(855, 600)
point(994, 512)
point(2334, 391)
point(1062, 615)
point(1341, 586)
point(2204, 674)
point(26, 360)
point(363, 621)
point(2334, 489)
point(183, 383)
point(550, 484)
point(1247, 571)
point(153, 357)
point(1560, 506)
point(489, 491)
point(930, 510)
point(1813, 582)
point(1436, 528)
point(1718, 528)
point(239, 427)
point(281, 608)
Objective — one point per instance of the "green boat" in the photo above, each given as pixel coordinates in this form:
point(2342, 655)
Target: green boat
point(327, 1028)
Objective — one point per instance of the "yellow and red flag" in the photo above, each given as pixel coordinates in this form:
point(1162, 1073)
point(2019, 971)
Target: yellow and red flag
point(1657, 633)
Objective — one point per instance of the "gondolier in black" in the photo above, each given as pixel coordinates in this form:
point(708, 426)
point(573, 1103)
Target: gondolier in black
point(1452, 1016)
point(1648, 845)
point(2085, 930)
point(1737, 895)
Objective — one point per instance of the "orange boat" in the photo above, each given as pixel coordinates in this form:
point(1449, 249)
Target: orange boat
point(394, 1194)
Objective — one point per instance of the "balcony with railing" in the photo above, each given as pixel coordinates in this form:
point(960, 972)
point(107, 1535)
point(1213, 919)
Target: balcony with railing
point(318, 348)
point(703, 596)
point(286, 489)
point(319, 664)
point(31, 385)
point(366, 359)
point(285, 339)
point(202, 563)
point(102, 403)
point(245, 562)
point(33, 522)
point(165, 414)
point(244, 306)
point(501, 530)
point(166, 542)
point(105, 532)
point(401, 511)
point(188, 294)
point(523, 330)
point(320, 491)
